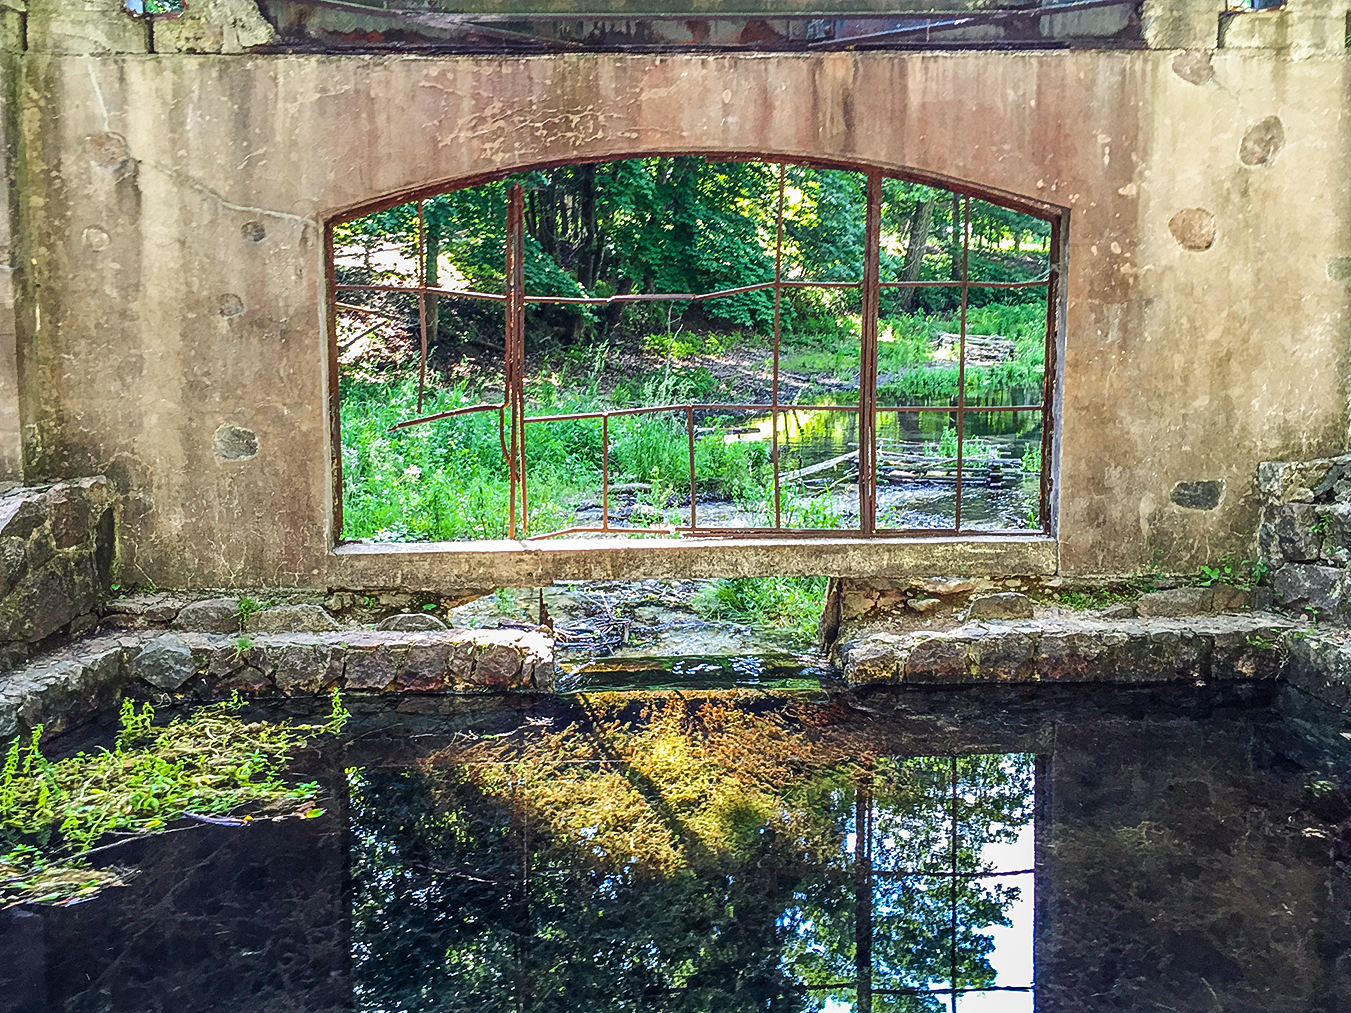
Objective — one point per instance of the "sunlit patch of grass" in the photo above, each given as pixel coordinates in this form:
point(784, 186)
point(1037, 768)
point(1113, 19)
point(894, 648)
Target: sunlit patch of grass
point(789, 603)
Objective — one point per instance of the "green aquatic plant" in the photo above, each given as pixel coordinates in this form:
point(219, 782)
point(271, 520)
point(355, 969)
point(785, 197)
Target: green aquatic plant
point(210, 764)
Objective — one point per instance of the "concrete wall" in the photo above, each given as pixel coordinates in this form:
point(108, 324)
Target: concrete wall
point(148, 318)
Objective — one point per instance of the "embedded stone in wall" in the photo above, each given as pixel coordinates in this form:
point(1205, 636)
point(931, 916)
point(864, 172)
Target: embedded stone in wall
point(410, 621)
point(1262, 142)
point(1178, 601)
point(81, 679)
point(165, 663)
point(1323, 588)
point(1198, 495)
point(1071, 650)
point(1194, 66)
point(212, 615)
point(1193, 228)
point(290, 619)
point(1304, 534)
point(381, 660)
point(1004, 605)
point(234, 444)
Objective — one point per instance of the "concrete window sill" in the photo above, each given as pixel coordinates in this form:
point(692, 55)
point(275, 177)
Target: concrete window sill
point(440, 565)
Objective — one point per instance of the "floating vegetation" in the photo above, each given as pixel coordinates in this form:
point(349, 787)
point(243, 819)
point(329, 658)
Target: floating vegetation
point(206, 767)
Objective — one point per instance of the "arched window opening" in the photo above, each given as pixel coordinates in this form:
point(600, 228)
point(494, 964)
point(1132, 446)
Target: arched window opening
point(690, 346)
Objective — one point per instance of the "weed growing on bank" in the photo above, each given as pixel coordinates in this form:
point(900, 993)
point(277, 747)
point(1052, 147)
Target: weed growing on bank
point(790, 603)
point(206, 766)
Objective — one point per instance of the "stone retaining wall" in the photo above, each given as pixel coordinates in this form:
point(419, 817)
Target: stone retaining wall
point(72, 685)
point(1304, 537)
point(1070, 650)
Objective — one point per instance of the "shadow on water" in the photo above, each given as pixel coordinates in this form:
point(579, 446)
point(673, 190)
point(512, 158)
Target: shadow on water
point(990, 849)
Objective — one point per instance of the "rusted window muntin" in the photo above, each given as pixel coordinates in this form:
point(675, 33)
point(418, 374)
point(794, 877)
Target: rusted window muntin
point(511, 410)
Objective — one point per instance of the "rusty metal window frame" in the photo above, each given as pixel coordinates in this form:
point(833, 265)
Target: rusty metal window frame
point(511, 410)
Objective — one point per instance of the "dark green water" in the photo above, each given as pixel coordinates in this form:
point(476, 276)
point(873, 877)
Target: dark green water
point(997, 848)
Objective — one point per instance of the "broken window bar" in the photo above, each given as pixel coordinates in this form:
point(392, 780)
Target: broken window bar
point(937, 874)
point(867, 375)
point(514, 357)
point(467, 410)
point(1050, 365)
point(605, 473)
point(516, 279)
point(952, 883)
point(416, 290)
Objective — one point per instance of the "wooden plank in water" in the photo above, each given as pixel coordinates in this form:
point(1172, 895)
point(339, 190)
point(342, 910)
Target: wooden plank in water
point(812, 469)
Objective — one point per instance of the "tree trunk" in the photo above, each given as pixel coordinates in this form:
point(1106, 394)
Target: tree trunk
point(921, 220)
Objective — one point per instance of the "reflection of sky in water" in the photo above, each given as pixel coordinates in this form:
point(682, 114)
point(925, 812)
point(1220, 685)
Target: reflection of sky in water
point(912, 831)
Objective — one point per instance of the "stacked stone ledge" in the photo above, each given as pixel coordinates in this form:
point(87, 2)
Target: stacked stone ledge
point(74, 685)
point(1304, 537)
point(1071, 650)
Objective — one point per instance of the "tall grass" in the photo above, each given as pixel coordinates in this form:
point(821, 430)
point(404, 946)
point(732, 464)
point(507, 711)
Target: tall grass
point(791, 603)
point(448, 480)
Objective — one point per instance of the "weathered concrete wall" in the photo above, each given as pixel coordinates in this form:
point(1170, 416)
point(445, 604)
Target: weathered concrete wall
point(155, 316)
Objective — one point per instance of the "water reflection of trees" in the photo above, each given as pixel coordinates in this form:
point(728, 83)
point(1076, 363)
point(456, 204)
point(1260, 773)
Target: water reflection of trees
point(678, 857)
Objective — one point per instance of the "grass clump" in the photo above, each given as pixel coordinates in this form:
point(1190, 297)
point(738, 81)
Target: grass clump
point(789, 603)
point(210, 764)
point(1093, 598)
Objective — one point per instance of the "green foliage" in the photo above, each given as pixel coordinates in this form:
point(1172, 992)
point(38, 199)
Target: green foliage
point(792, 603)
point(657, 225)
point(338, 715)
point(447, 480)
point(1032, 459)
point(685, 224)
point(1244, 574)
point(247, 607)
point(696, 852)
point(210, 763)
point(1094, 598)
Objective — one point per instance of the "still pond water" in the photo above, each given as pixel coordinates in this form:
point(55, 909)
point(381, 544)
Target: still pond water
point(712, 852)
